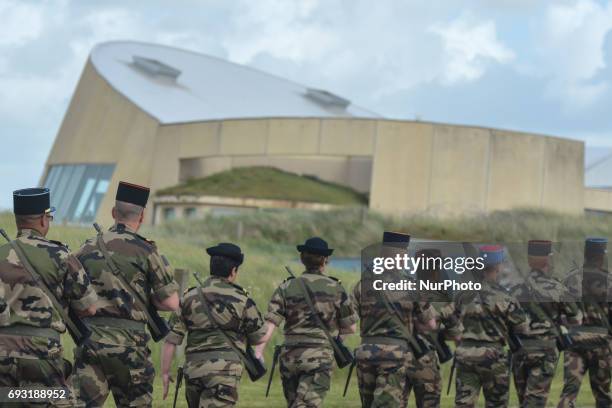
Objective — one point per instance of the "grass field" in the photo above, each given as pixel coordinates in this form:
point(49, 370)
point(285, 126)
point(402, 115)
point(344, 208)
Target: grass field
point(269, 239)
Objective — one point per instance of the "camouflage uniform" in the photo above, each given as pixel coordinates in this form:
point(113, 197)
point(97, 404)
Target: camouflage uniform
point(307, 358)
point(481, 360)
point(424, 376)
point(212, 369)
point(384, 356)
point(30, 359)
point(535, 364)
point(592, 350)
point(117, 358)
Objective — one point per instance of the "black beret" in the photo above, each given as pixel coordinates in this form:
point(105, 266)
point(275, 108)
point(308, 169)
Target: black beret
point(32, 201)
point(132, 193)
point(315, 245)
point(538, 247)
point(227, 250)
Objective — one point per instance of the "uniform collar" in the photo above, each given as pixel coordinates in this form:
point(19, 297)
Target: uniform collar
point(120, 227)
point(28, 232)
point(313, 271)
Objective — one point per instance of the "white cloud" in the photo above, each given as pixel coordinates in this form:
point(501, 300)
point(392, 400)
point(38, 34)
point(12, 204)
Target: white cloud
point(21, 22)
point(572, 50)
point(470, 45)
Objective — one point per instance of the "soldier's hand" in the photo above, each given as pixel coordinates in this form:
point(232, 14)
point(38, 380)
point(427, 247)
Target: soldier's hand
point(166, 379)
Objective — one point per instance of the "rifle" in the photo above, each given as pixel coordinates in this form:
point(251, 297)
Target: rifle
point(342, 354)
point(255, 368)
point(562, 339)
point(76, 327)
point(158, 326)
point(179, 380)
point(452, 372)
point(348, 377)
point(277, 351)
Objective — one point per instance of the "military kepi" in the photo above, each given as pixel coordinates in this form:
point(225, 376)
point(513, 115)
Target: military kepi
point(595, 246)
point(538, 247)
point(32, 201)
point(396, 239)
point(492, 254)
point(132, 193)
point(227, 250)
point(315, 245)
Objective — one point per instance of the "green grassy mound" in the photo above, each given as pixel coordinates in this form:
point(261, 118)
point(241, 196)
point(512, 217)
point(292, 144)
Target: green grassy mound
point(270, 183)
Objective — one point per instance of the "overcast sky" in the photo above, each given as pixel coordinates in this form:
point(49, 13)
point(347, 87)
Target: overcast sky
point(539, 66)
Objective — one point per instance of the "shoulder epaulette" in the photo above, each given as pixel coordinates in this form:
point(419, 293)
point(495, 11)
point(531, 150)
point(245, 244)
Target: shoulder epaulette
point(336, 279)
point(59, 243)
point(240, 288)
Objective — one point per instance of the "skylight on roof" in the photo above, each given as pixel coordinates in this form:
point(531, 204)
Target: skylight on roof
point(155, 67)
point(327, 98)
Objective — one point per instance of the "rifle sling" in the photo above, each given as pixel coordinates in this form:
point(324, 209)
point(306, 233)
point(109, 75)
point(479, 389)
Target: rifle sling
point(43, 286)
point(229, 340)
point(320, 322)
point(117, 272)
point(396, 316)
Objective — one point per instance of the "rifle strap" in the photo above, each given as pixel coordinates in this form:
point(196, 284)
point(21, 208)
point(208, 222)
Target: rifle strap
point(25, 262)
point(318, 319)
point(112, 265)
point(228, 339)
point(396, 316)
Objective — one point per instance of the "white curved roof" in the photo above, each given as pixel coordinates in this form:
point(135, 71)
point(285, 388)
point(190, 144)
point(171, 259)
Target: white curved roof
point(175, 86)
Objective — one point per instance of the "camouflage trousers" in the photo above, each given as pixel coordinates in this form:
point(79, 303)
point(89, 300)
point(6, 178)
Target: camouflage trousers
point(381, 372)
point(533, 371)
point(482, 367)
point(38, 373)
point(597, 361)
point(305, 374)
point(125, 371)
point(423, 376)
point(212, 383)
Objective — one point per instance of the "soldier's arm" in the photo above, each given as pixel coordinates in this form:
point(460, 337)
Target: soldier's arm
point(449, 317)
point(426, 315)
point(166, 362)
point(78, 290)
point(347, 317)
point(165, 289)
point(274, 317)
point(515, 317)
point(254, 325)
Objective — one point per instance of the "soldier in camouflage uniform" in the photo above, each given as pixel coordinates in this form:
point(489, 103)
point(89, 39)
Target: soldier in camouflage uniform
point(306, 359)
point(488, 316)
point(591, 351)
point(30, 350)
point(117, 358)
point(384, 356)
point(542, 298)
point(424, 376)
point(212, 369)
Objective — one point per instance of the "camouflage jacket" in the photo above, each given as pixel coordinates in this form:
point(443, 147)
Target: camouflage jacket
point(329, 298)
point(476, 310)
point(28, 304)
point(447, 317)
point(148, 273)
point(377, 321)
point(231, 307)
point(541, 297)
point(591, 286)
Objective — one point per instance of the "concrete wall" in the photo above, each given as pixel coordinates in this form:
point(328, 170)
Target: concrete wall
point(320, 147)
point(406, 166)
point(598, 200)
point(101, 126)
point(442, 169)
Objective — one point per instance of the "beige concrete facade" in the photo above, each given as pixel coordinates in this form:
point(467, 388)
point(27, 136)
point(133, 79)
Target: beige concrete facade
point(598, 200)
point(406, 166)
